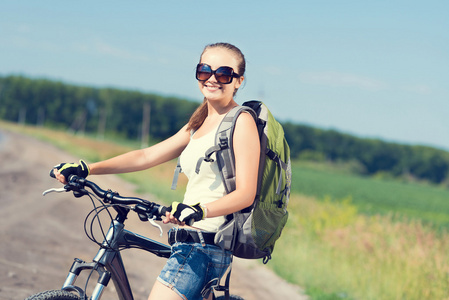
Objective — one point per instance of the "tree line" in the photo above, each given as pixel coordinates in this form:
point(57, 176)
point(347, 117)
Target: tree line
point(88, 109)
point(368, 156)
point(121, 112)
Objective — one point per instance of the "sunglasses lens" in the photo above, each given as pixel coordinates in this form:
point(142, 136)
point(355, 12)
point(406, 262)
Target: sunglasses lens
point(224, 75)
point(203, 72)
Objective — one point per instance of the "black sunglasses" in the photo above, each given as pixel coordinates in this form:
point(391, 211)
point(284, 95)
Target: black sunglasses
point(223, 75)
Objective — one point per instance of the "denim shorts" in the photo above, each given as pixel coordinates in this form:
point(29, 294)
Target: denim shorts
point(194, 269)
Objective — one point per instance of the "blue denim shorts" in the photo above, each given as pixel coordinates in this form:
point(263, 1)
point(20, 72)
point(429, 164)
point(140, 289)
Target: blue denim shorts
point(194, 269)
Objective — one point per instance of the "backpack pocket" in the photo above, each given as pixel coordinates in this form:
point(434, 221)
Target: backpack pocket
point(268, 222)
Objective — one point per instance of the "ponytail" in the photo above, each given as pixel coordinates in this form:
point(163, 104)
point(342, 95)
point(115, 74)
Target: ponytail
point(198, 117)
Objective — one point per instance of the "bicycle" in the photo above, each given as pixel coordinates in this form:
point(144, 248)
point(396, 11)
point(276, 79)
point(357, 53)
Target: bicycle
point(108, 263)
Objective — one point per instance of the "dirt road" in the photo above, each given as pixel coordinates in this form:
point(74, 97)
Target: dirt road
point(40, 236)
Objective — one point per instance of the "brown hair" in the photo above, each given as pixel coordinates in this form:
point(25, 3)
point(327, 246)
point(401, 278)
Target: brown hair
point(200, 114)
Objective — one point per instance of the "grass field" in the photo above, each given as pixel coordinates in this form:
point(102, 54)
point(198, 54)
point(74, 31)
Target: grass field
point(347, 237)
point(337, 253)
point(371, 196)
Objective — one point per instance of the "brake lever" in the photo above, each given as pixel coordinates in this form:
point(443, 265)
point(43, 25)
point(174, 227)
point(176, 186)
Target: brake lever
point(156, 225)
point(54, 190)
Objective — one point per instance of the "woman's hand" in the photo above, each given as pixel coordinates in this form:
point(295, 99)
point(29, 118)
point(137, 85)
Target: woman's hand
point(169, 218)
point(61, 178)
point(63, 171)
point(181, 213)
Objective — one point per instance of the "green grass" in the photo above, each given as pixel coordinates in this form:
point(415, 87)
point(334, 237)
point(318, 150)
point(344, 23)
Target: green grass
point(376, 196)
point(334, 252)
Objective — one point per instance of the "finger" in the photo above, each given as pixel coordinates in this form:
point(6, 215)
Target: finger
point(170, 218)
point(60, 177)
point(170, 221)
point(167, 217)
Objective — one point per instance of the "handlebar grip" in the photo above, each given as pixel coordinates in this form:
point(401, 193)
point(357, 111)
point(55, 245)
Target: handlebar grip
point(163, 210)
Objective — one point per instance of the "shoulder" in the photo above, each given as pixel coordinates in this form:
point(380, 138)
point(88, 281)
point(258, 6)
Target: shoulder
point(245, 126)
point(245, 119)
point(246, 140)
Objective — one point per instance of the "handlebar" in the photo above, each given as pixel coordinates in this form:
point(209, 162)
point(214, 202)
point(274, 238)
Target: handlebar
point(141, 206)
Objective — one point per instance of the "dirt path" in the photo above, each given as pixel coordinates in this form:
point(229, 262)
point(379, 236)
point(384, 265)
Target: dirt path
point(40, 236)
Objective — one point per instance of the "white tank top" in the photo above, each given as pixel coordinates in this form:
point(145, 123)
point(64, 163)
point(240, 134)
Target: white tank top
point(207, 185)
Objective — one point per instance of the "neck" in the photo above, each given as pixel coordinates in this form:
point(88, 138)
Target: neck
point(219, 108)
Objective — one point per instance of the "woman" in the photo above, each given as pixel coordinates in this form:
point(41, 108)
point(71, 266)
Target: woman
point(196, 264)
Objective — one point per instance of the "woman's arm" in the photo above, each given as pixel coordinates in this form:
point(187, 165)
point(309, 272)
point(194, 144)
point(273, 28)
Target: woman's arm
point(142, 159)
point(139, 159)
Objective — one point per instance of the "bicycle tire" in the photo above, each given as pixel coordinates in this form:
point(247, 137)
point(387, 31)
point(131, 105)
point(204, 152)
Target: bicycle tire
point(54, 295)
point(231, 297)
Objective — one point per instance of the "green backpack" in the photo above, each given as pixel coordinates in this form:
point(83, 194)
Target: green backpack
point(252, 232)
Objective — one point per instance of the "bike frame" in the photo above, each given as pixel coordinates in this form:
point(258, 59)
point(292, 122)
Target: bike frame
point(108, 262)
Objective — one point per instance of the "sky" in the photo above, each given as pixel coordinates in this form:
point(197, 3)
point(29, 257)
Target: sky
point(374, 69)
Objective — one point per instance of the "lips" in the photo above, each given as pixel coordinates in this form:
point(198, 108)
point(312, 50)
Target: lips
point(211, 87)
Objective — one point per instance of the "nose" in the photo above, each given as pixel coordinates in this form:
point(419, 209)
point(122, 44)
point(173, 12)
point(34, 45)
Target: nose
point(212, 79)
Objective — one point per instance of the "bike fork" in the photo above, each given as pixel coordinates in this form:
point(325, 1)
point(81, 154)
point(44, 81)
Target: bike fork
point(78, 266)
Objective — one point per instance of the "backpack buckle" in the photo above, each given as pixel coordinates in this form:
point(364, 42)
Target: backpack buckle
point(223, 142)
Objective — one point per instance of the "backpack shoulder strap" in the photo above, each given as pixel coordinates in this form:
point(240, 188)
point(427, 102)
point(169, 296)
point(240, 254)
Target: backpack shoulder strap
point(178, 168)
point(224, 147)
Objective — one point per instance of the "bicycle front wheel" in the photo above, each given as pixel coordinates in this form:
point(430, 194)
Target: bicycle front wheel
point(54, 295)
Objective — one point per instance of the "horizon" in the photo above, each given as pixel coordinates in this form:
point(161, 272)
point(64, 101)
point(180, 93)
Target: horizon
point(192, 100)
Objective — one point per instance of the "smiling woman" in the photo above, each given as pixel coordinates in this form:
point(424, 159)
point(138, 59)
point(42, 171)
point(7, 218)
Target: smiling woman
point(206, 202)
point(233, 67)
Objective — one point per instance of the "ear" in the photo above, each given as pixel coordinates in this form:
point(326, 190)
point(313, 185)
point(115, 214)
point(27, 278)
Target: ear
point(239, 81)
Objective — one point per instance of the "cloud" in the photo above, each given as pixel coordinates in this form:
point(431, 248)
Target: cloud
point(338, 79)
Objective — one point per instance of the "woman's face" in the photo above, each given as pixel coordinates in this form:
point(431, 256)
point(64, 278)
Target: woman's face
point(211, 88)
